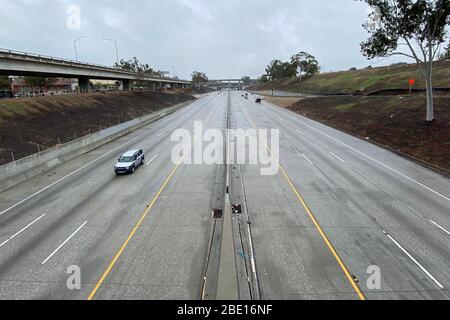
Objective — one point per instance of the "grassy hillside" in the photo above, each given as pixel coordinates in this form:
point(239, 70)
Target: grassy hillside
point(366, 80)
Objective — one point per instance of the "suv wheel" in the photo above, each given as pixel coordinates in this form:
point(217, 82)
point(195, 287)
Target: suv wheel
point(133, 169)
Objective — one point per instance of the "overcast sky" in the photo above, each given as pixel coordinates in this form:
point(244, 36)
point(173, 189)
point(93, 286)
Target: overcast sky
point(224, 38)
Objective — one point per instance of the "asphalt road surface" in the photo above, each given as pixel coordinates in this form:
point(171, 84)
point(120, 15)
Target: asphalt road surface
point(338, 211)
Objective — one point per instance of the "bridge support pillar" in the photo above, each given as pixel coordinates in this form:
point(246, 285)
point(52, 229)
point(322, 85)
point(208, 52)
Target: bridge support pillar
point(126, 85)
point(83, 84)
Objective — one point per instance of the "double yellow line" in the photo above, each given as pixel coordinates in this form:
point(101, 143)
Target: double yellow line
point(141, 220)
point(313, 218)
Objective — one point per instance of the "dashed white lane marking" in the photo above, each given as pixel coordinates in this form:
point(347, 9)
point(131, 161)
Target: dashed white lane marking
point(437, 225)
point(151, 160)
point(378, 162)
point(414, 260)
point(307, 159)
point(299, 132)
point(337, 157)
point(74, 172)
point(22, 230)
point(71, 174)
point(62, 244)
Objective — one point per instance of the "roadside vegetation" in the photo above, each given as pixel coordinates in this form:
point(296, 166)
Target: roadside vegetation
point(446, 54)
point(199, 78)
point(419, 26)
point(394, 122)
point(363, 81)
point(33, 124)
point(301, 65)
point(416, 30)
point(379, 104)
point(5, 83)
point(133, 65)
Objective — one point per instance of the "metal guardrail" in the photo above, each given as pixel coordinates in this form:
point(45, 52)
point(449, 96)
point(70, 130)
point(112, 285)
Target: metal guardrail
point(55, 60)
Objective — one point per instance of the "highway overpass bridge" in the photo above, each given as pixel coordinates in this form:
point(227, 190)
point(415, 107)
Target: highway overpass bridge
point(27, 64)
point(230, 83)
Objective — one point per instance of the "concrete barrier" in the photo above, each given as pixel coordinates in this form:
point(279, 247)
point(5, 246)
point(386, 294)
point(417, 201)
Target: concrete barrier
point(16, 172)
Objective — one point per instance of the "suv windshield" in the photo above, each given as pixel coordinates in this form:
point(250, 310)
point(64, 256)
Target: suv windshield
point(126, 159)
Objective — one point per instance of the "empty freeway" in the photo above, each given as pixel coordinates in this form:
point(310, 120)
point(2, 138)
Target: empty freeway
point(337, 209)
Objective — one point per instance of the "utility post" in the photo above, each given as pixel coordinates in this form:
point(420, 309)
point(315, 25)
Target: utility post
point(115, 44)
point(75, 46)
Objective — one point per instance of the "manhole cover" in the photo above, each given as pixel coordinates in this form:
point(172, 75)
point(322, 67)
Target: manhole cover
point(217, 213)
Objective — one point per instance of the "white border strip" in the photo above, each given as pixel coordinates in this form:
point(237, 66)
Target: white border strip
point(22, 230)
point(437, 225)
point(62, 244)
point(414, 260)
point(307, 159)
point(378, 162)
point(337, 157)
point(151, 160)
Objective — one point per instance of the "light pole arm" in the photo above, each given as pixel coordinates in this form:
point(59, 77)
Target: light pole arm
point(75, 46)
point(117, 51)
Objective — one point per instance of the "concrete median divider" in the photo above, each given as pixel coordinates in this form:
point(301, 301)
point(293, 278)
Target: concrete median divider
point(16, 172)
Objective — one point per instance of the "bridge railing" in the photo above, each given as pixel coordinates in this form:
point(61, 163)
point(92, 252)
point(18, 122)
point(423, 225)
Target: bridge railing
point(50, 59)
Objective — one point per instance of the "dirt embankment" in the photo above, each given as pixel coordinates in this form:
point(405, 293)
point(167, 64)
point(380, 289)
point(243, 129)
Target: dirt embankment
point(29, 125)
point(391, 117)
point(396, 122)
point(196, 91)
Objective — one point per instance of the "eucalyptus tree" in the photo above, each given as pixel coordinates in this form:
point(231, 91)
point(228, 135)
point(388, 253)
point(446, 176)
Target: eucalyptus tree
point(412, 28)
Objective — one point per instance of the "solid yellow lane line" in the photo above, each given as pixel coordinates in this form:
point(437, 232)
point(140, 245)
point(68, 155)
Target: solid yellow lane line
point(147, 210)
point(124, 245)
point(313, 218)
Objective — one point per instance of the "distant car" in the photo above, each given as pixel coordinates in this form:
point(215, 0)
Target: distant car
point(258, 100)
point(129, 162)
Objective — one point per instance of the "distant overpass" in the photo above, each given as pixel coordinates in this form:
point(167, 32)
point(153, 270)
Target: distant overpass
point(27, 64)
point(230, 83)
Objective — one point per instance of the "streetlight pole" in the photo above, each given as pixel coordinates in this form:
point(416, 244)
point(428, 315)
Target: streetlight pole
point(325, 61)
point(173, 70)
point(75, 46)
point(117, 51)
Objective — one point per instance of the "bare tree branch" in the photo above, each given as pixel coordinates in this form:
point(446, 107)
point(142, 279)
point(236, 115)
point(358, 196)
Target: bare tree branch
point(419, 62)
point(402, 54)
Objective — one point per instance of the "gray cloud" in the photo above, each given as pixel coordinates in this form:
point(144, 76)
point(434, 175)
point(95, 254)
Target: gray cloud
point(224, 38)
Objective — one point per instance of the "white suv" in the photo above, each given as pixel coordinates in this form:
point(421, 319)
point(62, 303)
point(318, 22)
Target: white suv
point(129, 162)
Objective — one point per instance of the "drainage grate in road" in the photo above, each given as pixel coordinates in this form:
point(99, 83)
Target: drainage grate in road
point(237, 209)
point(217, 213)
